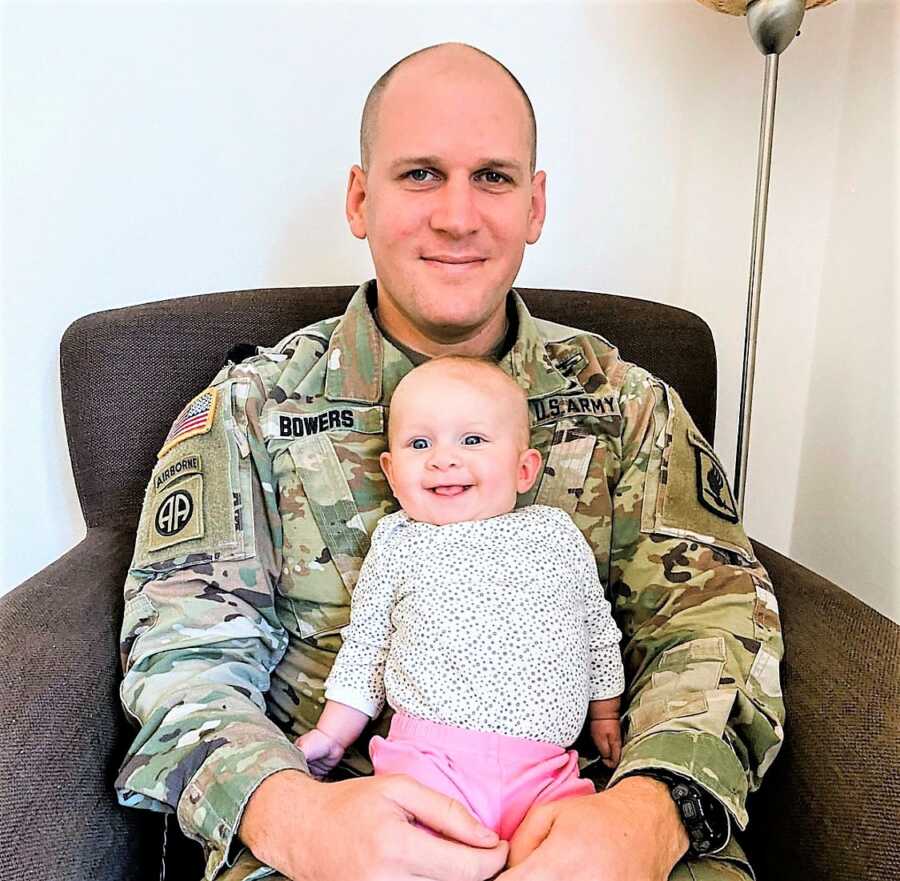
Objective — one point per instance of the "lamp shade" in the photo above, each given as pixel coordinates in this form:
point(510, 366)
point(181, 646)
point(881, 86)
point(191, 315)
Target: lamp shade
point(739, 7)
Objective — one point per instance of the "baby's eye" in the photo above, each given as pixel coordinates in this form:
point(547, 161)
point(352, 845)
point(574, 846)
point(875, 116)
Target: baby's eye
point(470, 440)
point(419, 443)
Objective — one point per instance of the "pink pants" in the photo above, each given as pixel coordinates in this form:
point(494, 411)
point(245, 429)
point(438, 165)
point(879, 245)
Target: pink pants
point(498, 778)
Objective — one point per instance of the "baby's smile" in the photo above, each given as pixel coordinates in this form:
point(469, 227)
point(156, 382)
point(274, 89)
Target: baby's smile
point(450, 489)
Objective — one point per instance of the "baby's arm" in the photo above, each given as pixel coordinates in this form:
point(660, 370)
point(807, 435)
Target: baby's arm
point(354, 689)
point(324, 746)
point(607, 676)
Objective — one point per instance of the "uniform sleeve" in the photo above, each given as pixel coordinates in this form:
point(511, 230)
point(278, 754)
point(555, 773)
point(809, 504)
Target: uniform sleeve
point(702, 640)
point(200, 634)
point(607, 676)
point(357, 676)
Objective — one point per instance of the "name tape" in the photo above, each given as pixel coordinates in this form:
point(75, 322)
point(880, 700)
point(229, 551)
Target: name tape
point(547, 409)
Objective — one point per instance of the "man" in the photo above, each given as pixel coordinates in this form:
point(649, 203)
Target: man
point(258, 514)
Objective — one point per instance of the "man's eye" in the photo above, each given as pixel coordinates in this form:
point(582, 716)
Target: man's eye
point(493, 177)
point(418, 175)
point(419, 443)
point(470, 440)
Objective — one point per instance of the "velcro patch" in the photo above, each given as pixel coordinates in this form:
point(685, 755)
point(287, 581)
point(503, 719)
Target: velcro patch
point(177, 514)
point(713, 491)
point(687, 494)
point(180, 468)
point(559, 406)
point(292, 424)
point(196, 418)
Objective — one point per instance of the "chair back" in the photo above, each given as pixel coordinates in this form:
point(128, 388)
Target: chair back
point(126, 373)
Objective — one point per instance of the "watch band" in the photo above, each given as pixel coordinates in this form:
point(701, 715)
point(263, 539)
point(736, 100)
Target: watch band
point(705, 819)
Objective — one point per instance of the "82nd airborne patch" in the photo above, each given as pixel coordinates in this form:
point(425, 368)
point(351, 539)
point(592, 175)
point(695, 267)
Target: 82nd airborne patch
point(177, 514)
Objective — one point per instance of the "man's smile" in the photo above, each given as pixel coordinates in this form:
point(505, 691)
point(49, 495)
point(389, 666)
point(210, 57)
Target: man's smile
point(454, 265)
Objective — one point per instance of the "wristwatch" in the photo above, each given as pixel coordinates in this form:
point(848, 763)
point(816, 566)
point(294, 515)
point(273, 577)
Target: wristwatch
point(705, 818)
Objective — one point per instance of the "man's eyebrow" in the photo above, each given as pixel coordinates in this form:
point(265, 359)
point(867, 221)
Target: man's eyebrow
point(435, 161)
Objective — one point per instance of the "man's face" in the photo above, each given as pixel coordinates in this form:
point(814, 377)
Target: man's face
point(459, 446)
point(448, 202)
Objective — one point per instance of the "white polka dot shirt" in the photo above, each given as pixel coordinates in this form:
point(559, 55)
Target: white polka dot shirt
point(495, 625)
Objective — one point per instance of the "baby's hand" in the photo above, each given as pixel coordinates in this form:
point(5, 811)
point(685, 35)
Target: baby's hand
point(607, 737)
point(322, 752)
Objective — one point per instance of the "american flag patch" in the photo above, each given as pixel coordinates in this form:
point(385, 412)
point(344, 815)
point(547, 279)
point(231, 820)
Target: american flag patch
point(196, 418)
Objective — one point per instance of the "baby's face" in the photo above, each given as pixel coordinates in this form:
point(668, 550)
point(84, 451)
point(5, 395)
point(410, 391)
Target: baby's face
point(459, 447)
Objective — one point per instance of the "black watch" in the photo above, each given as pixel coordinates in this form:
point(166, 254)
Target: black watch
point(706, 820)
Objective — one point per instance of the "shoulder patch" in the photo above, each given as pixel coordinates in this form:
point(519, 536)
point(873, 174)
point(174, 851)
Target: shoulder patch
point(196, 503)
point(196, 418)
point(713, 491)
point(687, 493)
point(177, 515)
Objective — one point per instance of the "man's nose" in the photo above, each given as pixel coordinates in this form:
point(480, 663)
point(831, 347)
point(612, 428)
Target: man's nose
point(456, 211)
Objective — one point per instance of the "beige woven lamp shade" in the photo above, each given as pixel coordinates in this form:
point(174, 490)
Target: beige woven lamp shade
point(739, 7)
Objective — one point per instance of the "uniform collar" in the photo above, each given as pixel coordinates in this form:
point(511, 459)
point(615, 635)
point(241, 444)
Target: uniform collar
point(357, 350)
point(355, 353)
point(527, 362)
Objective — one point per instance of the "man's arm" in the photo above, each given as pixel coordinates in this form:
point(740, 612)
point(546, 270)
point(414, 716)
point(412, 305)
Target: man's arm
point(200, 634)
point(702, 634)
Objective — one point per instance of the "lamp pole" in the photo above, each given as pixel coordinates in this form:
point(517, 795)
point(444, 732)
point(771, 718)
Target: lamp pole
point(773, 24)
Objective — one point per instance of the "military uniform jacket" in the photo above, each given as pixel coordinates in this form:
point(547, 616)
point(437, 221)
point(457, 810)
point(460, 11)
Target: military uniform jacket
point(258, 515)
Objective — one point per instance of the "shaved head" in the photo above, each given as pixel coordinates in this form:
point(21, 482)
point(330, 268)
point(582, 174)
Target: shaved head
point(461, 52)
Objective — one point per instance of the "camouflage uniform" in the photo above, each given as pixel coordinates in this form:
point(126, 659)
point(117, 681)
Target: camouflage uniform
point(258, 515)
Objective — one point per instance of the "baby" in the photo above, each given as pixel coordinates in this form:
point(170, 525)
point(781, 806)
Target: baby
point(485, 628)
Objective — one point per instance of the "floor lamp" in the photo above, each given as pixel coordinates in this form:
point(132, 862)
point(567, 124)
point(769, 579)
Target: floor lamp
point(773, 24)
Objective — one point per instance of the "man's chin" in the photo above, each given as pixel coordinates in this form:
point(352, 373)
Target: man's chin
point(456, 316)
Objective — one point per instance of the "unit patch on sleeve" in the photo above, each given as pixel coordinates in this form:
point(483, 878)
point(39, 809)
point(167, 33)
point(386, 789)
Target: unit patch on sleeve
point(686, 490)
point(196, 418)
point(177, 514)
point(180, 468)
point(713, 491)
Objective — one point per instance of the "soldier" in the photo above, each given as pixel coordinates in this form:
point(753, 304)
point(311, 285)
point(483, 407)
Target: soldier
point(258, 516)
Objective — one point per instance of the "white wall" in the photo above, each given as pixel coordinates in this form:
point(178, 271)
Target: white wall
point(156, 150)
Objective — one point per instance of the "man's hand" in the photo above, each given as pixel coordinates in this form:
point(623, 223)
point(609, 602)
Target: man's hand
point(362, 830)
point(322, 752)
point(631, 832)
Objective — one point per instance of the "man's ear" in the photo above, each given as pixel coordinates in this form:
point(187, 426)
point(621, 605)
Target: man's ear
point(538, 210)
point(387, 468)
point(529, 467)
point(356, 202)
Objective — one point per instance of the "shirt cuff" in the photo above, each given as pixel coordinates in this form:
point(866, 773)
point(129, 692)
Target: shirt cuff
point(604, 694)
point(353, 698)
point(705, 759)
point(212, 804)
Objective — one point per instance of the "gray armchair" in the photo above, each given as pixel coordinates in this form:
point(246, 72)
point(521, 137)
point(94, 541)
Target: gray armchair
point(830, 808)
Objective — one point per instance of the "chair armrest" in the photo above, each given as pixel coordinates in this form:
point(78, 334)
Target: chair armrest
point(828, 807)
point(63, 733)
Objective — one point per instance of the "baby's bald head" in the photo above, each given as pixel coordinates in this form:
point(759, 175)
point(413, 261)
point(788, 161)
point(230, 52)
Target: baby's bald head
point(490, 386)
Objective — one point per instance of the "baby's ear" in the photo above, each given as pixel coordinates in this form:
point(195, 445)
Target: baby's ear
point(529, 468)
point(387, 467)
